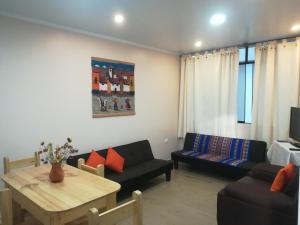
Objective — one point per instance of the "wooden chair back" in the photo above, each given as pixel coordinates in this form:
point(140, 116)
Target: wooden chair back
point(6, 207)
point(99, 171)
point(10, 165)
point(113, 216)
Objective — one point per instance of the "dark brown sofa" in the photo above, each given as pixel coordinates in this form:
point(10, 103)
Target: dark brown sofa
point(229, 156)
point(249, 200)
point(140, 165)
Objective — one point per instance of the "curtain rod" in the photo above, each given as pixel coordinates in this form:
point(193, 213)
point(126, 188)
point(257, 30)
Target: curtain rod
point(288, 39)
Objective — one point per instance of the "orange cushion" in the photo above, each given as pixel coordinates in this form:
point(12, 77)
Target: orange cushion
point(95, 159)
point(114, 161)
point(283, 177)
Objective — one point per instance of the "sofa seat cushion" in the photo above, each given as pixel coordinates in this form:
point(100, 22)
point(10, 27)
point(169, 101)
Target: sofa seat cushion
point(212, 157)
point(252, 181)
point(247, 165)
point(265, 171)
point(229, 151)
point(243, 163)
point(233, 148)
point(140, 171)
point(258, 193)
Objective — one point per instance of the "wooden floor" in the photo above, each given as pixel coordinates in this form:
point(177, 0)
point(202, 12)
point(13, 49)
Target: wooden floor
point(190, 198)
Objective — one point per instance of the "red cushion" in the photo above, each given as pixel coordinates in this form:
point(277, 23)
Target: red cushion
point(95, 159)
point(280, 181)
point(283, 177)
point(114, 161)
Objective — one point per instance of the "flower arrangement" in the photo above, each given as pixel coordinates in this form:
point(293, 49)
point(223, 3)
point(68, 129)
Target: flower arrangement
point(57, 155)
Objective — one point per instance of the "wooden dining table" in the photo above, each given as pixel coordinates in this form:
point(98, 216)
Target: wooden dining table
point(60, 203)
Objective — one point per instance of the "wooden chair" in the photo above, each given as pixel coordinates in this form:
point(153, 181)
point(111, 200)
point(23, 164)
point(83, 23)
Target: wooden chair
point(132, 209)
point(6, 207)
point(9, 165)
point(99, 171)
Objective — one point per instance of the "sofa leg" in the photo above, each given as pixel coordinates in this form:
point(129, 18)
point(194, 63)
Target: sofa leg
point(168, 175)
point(175, 163)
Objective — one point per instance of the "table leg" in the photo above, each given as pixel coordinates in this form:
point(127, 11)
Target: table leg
point(55, 220)
point(111, 201)
point(18, 213)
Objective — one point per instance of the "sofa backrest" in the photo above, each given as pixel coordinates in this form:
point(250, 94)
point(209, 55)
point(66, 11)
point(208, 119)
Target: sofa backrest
point(251, 150)
point(293, 186)
point(133, 153)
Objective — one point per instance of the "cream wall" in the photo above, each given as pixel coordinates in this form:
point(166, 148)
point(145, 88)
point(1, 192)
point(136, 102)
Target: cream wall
point(45, 92)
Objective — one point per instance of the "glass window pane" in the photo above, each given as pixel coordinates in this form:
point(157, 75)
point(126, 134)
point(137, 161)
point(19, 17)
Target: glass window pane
point(251, 53)
point(248, 93)
point(242, 54)
point(241, 93)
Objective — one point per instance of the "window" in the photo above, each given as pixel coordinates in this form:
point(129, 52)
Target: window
point(245, 84)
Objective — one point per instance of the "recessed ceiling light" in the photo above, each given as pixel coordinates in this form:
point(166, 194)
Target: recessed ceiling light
point(295, 28)
point(119, 18)
point(217, 19)
point(198, 44)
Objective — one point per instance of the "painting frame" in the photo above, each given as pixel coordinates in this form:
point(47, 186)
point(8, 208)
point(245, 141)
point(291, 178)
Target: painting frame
point(113, 88)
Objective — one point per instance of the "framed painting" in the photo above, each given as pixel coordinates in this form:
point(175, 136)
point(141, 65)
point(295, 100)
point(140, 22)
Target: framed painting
point(113, 88)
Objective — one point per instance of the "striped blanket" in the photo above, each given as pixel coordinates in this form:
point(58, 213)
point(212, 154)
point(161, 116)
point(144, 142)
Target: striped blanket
point(230, 151)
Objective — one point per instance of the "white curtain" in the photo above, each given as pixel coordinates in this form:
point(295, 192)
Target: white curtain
point(208, 93)
point(275, 89)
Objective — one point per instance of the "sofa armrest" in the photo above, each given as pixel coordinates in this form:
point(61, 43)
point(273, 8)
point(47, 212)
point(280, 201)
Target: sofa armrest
point(265, 171)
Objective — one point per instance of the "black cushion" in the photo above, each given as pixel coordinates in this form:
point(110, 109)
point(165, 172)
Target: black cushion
point(248, 165)
point(177, 153)
point(258, 151)
point(189, 141)
point(293, 186)
point(135, 153)
point(140, 171)
point(265, 171)
point(258, 193)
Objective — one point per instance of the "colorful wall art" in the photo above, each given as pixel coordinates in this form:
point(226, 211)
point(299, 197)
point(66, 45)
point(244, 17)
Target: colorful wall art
point(112, 88)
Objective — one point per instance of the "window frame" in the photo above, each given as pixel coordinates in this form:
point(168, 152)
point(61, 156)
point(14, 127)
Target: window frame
point(245, 63)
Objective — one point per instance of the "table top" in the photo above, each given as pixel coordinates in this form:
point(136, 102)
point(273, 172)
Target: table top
point(285, 145)
point(79, 187)
point(280, 154)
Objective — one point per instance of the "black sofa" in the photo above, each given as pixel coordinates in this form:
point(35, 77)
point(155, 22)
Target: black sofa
point(249, 200)
point(229, 156)
point(140, 164)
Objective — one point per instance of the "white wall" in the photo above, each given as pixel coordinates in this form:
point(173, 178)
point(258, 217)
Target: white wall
point(45, 92)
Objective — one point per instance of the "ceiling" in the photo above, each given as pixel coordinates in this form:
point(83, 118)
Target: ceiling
point(167, 25)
